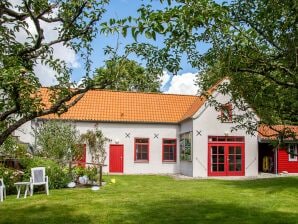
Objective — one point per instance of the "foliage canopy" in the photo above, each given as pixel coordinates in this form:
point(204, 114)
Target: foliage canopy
point(76, 25)
point(253, 42)
point(58, 141)
point(120, 73)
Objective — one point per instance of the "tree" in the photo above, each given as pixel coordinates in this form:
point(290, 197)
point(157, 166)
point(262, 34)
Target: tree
point(120, 73)
point(96, 142)
point(76, 23)
point(58, 141)
point(257, 49)
point(253, 42)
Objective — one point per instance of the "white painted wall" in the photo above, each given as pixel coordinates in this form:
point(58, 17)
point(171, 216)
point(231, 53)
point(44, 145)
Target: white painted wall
point(205, 120)
point(186, 126)
point(25, 133)
point(116, 132)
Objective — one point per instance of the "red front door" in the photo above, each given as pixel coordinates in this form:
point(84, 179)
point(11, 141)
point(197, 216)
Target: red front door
point(116, 159)
point(226, 159)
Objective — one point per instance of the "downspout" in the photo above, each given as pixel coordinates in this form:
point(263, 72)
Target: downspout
point(276, 157)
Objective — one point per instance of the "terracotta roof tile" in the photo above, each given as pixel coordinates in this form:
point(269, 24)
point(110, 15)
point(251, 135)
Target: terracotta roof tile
point(114, 106)
point(267, 133)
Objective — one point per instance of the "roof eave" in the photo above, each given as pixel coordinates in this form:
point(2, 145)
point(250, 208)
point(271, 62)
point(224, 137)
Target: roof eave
point(111, 121)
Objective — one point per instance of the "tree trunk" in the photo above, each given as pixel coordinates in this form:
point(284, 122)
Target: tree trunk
point(100, 175)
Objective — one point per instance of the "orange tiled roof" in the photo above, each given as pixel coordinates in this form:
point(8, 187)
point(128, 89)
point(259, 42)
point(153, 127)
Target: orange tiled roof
point(114, 106)
point(268, 133)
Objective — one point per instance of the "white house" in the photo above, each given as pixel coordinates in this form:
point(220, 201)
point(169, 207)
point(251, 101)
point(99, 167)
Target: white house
point(154, 133)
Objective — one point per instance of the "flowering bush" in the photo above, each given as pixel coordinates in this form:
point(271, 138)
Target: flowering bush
point(10, 176)
point(12, 149)
point(58, 177)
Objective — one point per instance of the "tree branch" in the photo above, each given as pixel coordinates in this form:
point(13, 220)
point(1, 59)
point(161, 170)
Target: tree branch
point(53, 109)
point(51, 20)
point(5, 114)
point(39, 31)
point(14, 14)
point(265, 74)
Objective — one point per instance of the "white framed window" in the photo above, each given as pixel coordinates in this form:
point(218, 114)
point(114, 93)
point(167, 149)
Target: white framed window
point(292, 150)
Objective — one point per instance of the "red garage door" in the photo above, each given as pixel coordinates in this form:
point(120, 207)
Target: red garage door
point(226, 156)
point(116, 159)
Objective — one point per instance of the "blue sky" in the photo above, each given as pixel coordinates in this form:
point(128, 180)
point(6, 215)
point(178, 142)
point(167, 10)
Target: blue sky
point(183, 83)
point(120, 9)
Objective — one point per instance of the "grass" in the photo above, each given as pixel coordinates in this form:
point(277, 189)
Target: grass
point(162, 199)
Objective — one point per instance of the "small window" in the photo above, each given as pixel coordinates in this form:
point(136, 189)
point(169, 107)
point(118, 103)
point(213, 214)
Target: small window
point(226, 113)
point(142, 149)
point(169, 150)
point(292, 152)
point(226, 139)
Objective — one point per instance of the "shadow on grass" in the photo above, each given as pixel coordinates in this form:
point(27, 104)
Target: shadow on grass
point(177, 210)
point(42, 213)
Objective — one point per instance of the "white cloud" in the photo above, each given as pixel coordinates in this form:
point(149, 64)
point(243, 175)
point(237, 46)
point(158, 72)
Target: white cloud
point(183, 84)
point(45, 74)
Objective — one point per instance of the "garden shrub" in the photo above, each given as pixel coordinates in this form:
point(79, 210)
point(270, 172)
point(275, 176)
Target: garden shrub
point(10, 176)
point(90, 172)
point(58, 177)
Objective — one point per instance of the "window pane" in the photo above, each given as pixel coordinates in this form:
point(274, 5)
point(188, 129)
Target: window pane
point(166, 156)
point(221, 139)
point(141, 149)
point(238, 150)
point(142, 140)
point(292, 151)
point(169, 152)
point(231, 167)
point(144, 156)
point(231, 159)
point(169, 141)
point(214, 150)
point(221, 150)
point(221, 159)
point(214, 167)
point(238, 167)
point(231, 150)
point(214, 159)
point(239, 139)
point(238, 158)
point(221, 167)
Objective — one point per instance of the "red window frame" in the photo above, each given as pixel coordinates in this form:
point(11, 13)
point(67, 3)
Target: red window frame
point(226, 139)
point(135, 150)
point(169, 144)
point(226, 113)
point(226, 142)
point(292, 157)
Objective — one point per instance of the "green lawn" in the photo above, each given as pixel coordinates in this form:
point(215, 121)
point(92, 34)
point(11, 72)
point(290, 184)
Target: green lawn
point(161, 199)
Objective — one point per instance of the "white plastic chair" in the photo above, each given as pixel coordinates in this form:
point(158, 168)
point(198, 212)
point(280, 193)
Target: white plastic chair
point(2, 190)
point(38, 177)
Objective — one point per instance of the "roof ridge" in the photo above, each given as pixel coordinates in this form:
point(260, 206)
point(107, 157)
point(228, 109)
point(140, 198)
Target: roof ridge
point(135, 92)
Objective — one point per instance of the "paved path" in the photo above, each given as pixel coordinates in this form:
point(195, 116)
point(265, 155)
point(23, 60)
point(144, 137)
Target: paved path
point(260, 176)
